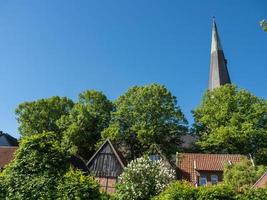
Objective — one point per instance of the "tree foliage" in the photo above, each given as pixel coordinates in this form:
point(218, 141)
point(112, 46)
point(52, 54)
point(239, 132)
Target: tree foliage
point(41, 115)
point(142, 179)
point(181, 190)
point(249, 194)
point(263, 24)
point(146, 116)
point(231, 121)
point(178, 190)
point(88, 118)
point(216, 192)
point(74, 185)
point(38, 165)
point(41, 170)
point(242, 175)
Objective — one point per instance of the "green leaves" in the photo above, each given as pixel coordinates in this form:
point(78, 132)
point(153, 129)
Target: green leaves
point(89, 116)
point(263, 24)
point(181, 190)
point(78, 125)
point(74, 185)
point(39, 163)
point(41, 171)
point(145, 116)
point(41, 115)
point(242, 175)
point(178, 190)
point(231, 120)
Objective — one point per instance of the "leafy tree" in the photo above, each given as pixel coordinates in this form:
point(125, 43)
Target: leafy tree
point(263, 24)
point(75, 185)
point(216, 192)
point(232, 121)
point(142, 179)
point(183, 191)
point(250, 194)
point(39, 164)
point(2, 186)
point(41, 170)
point(87, 119)
point(242, 175)
point(146, 116)
point(178, 190)
point(41, 115)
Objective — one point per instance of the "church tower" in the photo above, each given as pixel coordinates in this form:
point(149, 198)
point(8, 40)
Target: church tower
point(218, 64)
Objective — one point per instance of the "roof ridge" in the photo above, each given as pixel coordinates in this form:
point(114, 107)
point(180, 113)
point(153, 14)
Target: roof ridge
point(114, 149)
point(212, 154)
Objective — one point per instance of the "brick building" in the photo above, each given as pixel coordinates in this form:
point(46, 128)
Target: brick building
point(204, 169)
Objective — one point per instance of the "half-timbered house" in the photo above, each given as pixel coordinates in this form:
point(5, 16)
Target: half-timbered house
point(106, 165)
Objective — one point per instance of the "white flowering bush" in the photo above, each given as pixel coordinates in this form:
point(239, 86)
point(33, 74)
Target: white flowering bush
point(142, 179)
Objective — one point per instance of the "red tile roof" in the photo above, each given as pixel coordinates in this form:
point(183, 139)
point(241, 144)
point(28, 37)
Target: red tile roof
point(6, 155)
point(262, 182)
point(189, 164)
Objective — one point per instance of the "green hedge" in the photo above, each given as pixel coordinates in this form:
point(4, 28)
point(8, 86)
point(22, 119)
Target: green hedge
point(259, 194)
point(181, 190)
point(178, 190)
point(216, 192)
point(76, 186)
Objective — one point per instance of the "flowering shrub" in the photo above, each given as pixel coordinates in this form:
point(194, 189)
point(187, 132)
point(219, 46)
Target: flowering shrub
point(142, 179)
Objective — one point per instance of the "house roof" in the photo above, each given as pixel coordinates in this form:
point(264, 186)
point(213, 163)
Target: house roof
point(189, 164)
point(78, 163)
point(6, 155)
point(188, 140)
point(7, 140)
point(117, 153)
point(107, 161)
point(261, 182)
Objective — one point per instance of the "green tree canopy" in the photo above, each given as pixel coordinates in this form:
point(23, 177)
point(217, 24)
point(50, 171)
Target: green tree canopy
point(178, 190)
point(41, 115)
point(146, 116)
point(263, 24)
point(242, 175)
point(75, 186)
point(39, 164)
point(232, 121)
point(41, 170)
point(88, 118)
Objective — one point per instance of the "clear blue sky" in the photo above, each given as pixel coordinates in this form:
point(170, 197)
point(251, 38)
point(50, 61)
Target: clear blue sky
point(60, 47)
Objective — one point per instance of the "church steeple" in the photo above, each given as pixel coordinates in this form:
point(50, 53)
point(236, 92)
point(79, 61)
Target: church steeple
point(218, 65)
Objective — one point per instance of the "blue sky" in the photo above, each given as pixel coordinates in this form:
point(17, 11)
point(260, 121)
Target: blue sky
point(60, 47)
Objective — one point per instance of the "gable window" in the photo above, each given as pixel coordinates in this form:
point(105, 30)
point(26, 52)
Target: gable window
point(203, 180)
point(154, 157)
point(214, 179)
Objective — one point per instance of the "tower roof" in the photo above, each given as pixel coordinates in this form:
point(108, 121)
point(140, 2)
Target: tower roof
point(218, 65)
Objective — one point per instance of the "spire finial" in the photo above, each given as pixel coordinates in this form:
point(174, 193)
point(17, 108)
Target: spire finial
point(213, 19)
